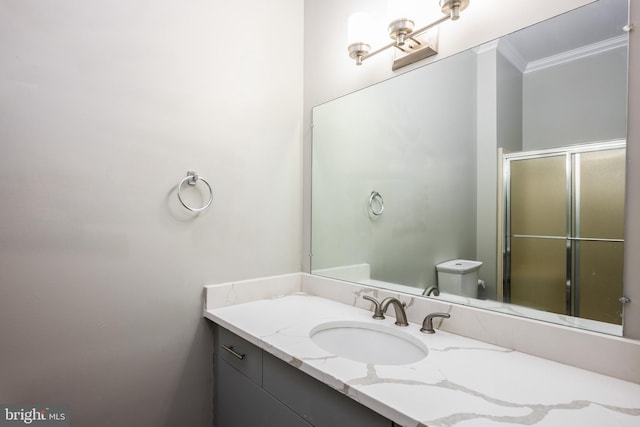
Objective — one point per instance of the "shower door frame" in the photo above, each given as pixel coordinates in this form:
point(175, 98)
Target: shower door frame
point(572, 166)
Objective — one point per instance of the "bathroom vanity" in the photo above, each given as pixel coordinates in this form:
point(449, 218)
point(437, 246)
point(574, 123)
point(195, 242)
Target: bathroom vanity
point(279, 394)
point(285, 376)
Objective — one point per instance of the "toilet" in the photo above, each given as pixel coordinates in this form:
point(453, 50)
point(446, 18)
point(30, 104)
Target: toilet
point(459, 277)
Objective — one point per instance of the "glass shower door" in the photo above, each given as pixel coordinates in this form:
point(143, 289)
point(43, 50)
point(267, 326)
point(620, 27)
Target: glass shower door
point(599, 185)
point(538, 208)
point(564, 231)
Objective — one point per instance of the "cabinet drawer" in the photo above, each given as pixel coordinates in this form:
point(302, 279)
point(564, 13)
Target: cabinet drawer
point(314, 401)
point(239, 353)
point(242, 403)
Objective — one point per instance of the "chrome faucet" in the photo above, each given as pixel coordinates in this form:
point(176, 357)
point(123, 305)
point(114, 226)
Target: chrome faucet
point(427, 324)
point(431, 290)
point(401, 315)
point(377, 311)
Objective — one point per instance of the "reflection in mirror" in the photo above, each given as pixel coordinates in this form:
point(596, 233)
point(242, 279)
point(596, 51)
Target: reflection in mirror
point(418, 184)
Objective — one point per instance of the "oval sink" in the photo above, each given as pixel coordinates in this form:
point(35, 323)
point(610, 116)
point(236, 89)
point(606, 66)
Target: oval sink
point(369, 342)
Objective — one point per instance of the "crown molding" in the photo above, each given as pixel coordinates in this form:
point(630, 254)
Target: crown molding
point(581, 52)
point(512, 55)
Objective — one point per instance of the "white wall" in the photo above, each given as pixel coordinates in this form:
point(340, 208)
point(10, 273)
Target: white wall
point(330, 73)
point(104, 106)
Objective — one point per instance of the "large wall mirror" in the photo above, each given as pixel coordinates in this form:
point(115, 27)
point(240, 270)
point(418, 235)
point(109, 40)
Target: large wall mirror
point(494, 177)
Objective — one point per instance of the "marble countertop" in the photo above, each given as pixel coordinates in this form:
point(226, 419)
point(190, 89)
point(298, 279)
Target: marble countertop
point(462, 382)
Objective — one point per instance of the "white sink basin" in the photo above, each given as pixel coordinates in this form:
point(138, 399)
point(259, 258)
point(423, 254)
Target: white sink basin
point(379, 344)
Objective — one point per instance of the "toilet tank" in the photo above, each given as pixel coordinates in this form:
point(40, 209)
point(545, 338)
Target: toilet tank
point(459, 277)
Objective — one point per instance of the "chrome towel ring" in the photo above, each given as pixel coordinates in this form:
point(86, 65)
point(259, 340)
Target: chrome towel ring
point(376, 197)
point(192, 178)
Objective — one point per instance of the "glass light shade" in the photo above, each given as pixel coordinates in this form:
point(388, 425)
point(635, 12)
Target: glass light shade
point(360, 28)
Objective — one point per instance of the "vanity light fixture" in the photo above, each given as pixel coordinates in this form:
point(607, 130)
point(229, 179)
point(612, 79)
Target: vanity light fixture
point(405, 38)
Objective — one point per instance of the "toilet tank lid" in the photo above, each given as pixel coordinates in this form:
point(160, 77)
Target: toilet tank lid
point(459, 266)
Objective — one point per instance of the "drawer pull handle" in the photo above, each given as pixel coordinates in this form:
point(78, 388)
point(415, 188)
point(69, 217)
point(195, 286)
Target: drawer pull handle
point(232, 351)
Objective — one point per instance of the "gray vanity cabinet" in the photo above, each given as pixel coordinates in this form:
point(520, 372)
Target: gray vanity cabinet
point(239, 399)
point(254, 388)
point(241, 402)
point(320, 404)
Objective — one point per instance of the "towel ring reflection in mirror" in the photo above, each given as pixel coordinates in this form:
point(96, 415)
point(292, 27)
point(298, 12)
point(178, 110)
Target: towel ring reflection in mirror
point(192, 178)
point(376, 203)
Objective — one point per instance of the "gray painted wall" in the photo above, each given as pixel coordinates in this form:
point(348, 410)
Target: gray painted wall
point(104, 106)
point(576, 107)
point(510, 104)
point(486, 137)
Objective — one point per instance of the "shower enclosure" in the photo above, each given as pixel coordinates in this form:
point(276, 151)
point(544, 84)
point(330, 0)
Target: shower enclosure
point(563, 230)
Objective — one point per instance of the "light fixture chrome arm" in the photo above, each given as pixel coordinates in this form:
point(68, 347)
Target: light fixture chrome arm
point(360, 51)
point(428, 27)
point(414, 33)
point(402, 29)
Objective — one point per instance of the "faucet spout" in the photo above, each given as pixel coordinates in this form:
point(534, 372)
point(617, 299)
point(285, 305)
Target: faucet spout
point(431, 290)
point(401, 315)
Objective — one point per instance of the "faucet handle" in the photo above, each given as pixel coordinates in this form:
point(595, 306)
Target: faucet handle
point(377, 310)
point(427, 324)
